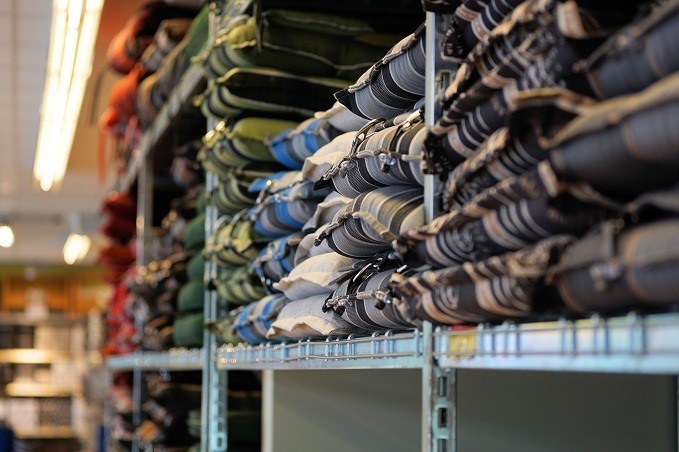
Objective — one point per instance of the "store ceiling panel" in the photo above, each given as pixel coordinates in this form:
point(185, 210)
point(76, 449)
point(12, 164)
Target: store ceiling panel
point(24, 44)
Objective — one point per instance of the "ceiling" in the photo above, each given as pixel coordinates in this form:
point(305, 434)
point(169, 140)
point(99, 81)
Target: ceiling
point(38, 218)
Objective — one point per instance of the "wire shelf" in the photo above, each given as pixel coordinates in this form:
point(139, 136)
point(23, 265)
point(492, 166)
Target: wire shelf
point(630, 344)
point(173, 359)
point(379, 351)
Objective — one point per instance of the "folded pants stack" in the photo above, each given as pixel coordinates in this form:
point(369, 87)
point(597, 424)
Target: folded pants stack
point(166, 412)
point(165, 296)
point(266, 74)
point(560, 172)
point(118, 258)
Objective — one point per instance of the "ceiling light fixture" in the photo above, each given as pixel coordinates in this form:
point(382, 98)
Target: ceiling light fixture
point(77, 245)
point(76, 248)
point(74, 30)
point(6, 236)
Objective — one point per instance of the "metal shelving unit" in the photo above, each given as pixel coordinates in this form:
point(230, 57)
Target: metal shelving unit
point(631, 344)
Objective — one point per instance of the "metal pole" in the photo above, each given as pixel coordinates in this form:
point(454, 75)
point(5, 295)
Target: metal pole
point(144, 223)
point(215, 382)
point(429, 105)
point(427, 393)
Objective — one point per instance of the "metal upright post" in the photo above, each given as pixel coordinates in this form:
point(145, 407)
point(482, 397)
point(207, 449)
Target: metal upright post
point(438, 385)
point(427, 393)
point(214, 393)
point(144, 224)
point(429, 105)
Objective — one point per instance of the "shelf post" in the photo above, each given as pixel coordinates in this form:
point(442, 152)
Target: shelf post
point(439, 386)
point(215, 382)
point(429, 105)
point(144, 224)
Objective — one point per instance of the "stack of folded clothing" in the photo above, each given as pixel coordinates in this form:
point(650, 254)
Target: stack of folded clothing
point(354, 187)
point(267, 72)
point(171, 399)
point(550, 187)
point(118, 258)
point(119, 398)
point(561, 176)
point(171, 411)
point(151, 53)
point(171, 285)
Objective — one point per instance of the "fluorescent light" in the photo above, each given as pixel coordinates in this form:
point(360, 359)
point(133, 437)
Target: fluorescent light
point(74, 30)
point(6, 236)
point(76, 248)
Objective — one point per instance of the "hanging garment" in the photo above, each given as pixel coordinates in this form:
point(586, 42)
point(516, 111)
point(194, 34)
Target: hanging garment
point(369, 224)
point(511, 215)
point(305, 43)
point(640, 54)
point(305, 318)
point(510, 285)
point(381, 155)
point(267, 90)
point(624, 146)
point(391, 86)
point(625, 263)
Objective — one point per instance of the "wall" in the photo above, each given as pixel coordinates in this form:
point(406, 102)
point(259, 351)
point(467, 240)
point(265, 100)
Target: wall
point(498, 411)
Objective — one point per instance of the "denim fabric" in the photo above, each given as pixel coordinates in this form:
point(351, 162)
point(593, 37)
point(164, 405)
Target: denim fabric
point(370, 222)
point(537, 116)
point(393, 85)
point(624, 146)
point(514, 213)
point(364, 302)
point(276, 260)
point(380, 156)
point(638, 55)
point(624, 265)
point(509, 285)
